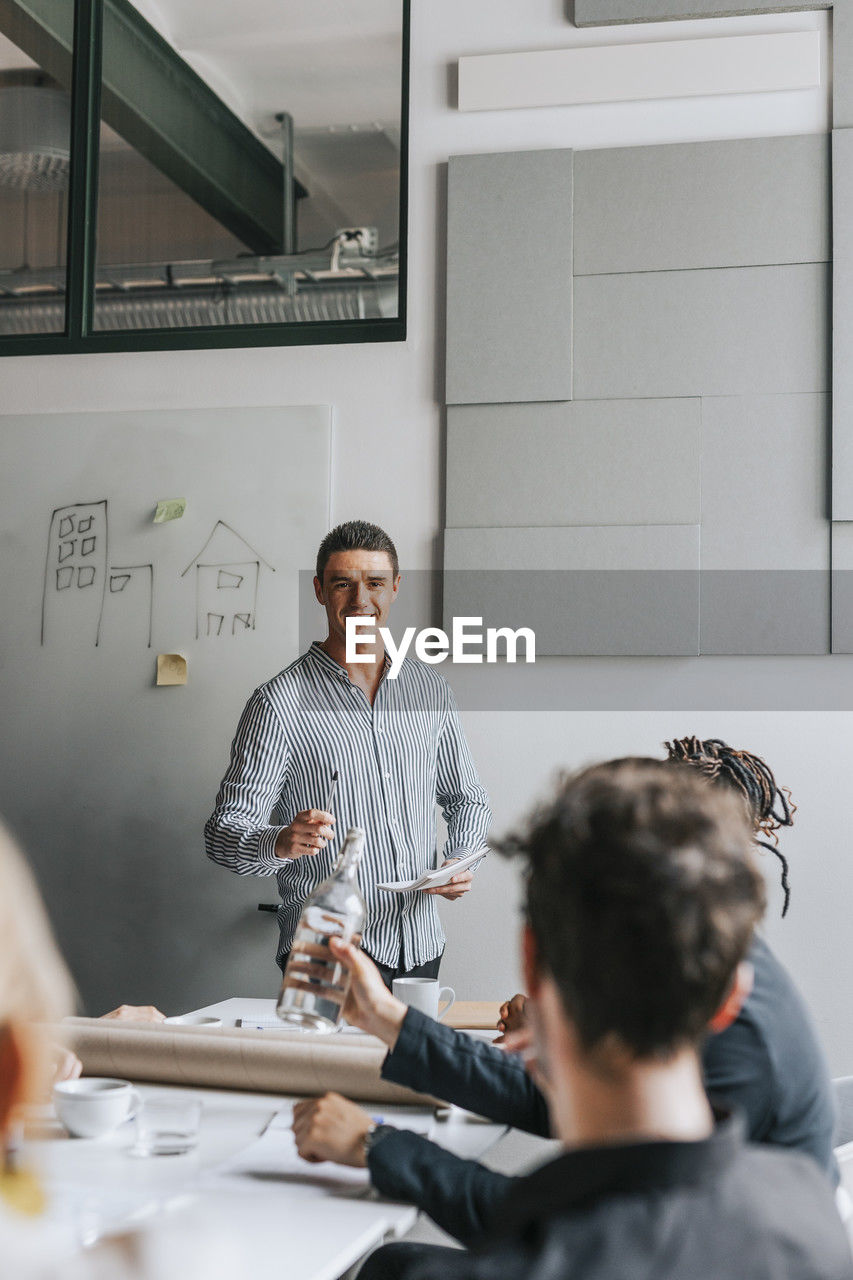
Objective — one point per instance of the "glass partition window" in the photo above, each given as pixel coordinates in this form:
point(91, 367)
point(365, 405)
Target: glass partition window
point(35, 165)
point(243, 167)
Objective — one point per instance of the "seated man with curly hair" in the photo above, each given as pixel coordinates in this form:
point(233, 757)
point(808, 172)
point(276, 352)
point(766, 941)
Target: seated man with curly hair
point(642, 899)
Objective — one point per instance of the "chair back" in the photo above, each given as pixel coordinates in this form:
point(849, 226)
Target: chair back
point(843, 1090)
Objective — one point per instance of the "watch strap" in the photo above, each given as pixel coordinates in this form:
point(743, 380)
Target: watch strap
point(374, 1135)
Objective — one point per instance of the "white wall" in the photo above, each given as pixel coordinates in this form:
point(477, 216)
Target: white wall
point(388, 458)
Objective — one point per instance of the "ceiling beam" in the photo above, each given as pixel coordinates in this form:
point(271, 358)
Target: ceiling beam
point(155, 101)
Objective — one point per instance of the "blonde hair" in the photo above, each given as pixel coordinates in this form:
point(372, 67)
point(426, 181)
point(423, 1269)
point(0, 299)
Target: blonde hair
point(35, 985)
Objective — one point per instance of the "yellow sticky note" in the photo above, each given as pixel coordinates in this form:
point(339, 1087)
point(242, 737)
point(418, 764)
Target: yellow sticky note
point(169, 509)
point(171, 668)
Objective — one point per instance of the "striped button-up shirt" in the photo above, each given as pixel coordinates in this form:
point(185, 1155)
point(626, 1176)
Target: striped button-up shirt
point(395, 760)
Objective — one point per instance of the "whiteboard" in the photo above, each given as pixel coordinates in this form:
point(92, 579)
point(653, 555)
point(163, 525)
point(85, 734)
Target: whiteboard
point(106, 777)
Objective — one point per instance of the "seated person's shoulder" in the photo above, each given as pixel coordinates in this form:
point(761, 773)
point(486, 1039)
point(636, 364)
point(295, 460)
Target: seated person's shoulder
point(783, 1198)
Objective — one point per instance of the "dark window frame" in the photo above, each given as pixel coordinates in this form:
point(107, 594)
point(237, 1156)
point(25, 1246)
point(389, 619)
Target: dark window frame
point(79, 335)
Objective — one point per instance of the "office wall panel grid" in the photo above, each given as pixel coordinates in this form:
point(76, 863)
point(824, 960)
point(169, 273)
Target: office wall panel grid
point(694, 396)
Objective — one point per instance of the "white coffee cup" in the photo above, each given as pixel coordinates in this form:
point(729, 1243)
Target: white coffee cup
point(95, 1105)
point(424, 994)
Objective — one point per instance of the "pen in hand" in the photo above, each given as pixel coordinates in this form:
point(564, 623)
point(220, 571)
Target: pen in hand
point(331, 795)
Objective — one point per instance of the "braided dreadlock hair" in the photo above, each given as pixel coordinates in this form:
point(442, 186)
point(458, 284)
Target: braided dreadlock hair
point(770, 805)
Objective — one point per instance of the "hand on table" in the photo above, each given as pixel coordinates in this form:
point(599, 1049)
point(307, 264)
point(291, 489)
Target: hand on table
point(331, 1128)
point(66, 1065)
point(135, 1013)
point(455, 888)
point(513, 1016)
point(369, 1004)
point(309, 832)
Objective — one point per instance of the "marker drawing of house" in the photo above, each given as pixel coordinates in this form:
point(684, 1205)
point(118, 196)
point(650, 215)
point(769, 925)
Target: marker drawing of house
point(227, 577)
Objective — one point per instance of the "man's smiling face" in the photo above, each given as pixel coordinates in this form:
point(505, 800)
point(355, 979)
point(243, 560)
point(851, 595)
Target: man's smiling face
point(356, 584)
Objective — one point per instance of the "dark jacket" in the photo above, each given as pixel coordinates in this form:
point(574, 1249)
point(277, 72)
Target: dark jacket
point(768, 1065)
point(715, 1209)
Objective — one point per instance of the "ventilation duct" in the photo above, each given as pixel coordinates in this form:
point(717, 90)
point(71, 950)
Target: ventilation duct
point(35, 127)
point(341, 282)
point(182, 312)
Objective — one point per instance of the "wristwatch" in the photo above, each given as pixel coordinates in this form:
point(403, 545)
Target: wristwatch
point(375, 1134)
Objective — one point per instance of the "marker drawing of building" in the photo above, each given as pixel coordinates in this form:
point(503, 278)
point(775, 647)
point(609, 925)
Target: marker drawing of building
point(227, 577)
point(75, 573)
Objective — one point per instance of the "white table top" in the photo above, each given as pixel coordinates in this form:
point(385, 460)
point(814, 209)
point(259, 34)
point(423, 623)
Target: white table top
point(97, 1187)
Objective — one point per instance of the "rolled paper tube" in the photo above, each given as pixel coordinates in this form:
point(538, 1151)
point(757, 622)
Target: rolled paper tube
point(474, 1015)
point(235, 1058)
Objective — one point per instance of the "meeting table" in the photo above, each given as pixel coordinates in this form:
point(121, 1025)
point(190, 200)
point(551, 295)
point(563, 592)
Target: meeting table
point(319, 1220)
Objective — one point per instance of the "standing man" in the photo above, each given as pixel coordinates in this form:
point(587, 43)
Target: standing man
point(397, 747)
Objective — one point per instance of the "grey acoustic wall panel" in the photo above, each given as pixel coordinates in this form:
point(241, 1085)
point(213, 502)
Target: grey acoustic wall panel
point(636, 549)
point(733, 331)
point(509, 277)
point(842, 587)
point(610, 591)
point(782, 611)
point(705, 204)
point(764, 482)
point(765, 536)
point(600, 13)
point(842, 325)
point(610, 462)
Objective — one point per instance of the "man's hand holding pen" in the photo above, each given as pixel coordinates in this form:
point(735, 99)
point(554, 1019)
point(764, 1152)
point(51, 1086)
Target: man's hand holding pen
point(309, 833)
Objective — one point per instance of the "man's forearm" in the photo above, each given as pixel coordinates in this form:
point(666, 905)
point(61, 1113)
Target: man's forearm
point(461, 1196)
point(240, 847)
point(460, 793)
point(238, 834)
point(431, 1058)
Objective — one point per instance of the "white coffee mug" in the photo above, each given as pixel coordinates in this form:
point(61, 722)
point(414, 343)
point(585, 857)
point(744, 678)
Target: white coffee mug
point(424, 994)
point(95, 1105)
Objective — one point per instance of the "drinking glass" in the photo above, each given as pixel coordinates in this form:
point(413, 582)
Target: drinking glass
point(167, 1126)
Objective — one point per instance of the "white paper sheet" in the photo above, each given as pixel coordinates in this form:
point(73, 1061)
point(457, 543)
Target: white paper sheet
point(435, 879)
point(273, 1156)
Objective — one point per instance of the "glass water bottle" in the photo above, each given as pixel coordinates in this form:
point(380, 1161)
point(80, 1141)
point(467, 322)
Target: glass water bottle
point(315, 984)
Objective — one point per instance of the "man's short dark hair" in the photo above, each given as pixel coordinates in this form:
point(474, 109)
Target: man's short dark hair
point(356, 535)
point(642, 896)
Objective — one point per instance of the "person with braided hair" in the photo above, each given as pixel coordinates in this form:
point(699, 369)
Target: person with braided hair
point(769, 806)
point(770, 1059)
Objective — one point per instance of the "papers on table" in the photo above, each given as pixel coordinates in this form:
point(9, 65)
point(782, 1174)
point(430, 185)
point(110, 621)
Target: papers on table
point(276, 1024)
point(435, 879)
point(273, 1156)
